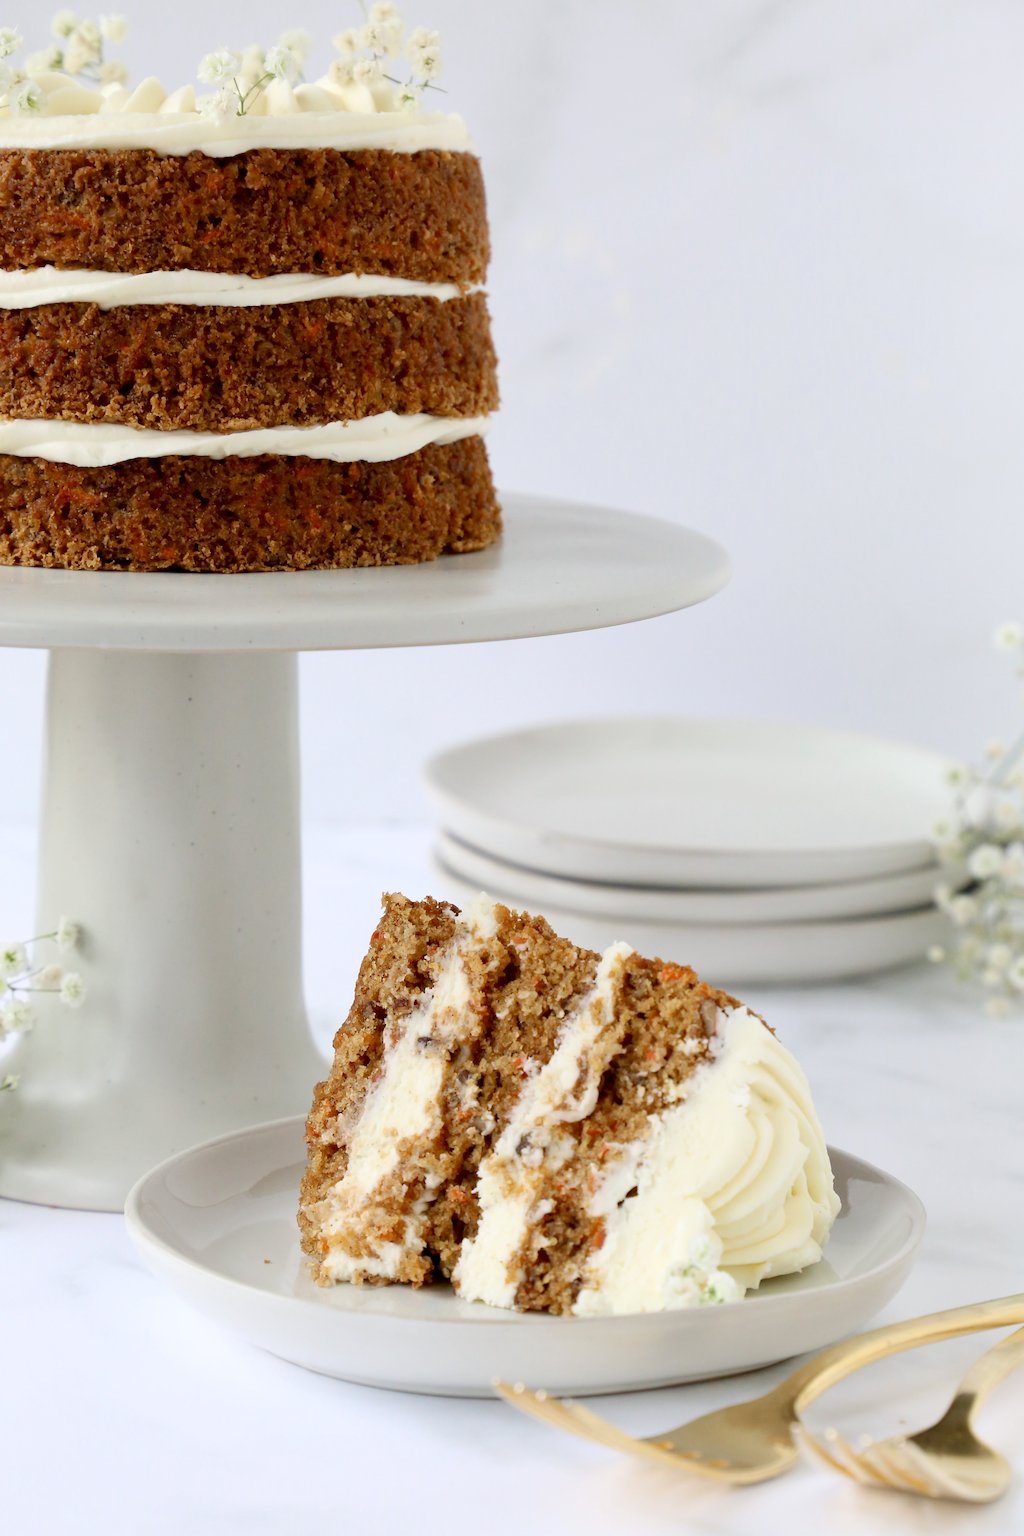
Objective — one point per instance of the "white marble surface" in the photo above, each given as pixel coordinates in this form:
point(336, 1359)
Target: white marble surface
point(121, 1410)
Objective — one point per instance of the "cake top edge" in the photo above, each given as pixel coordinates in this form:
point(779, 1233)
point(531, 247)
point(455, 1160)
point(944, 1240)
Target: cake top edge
point(182, 133)
point(373, 95)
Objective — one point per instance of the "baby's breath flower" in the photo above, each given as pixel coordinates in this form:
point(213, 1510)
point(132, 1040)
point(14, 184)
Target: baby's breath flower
point(340, 73)
point(297, 42)
point(1009, 636)
point(63, 24)
point(383, 11)
point(43, 61)
point(68, 934)
point(963, 910)
point(113, 72)
point(408, 99)
point(367, 72)
point(703, 1254)
point(51, 976)
point(282, 64)
point(936, 954)
point(83, 49)
point(999, 957)
point(720, 1288)
point(347, 43)
point(423, 50)
point(16, 1015)
point(985, 861)
point(72, 990)
point(1013, 864)
point(382, 37)
point(10, 41)
point(9, 1082)
point(8, 79)
point(114, 28)
point(220, 66)
point(1006, 813)
point(13, 960)
point(1015, 974)
point(221, 104)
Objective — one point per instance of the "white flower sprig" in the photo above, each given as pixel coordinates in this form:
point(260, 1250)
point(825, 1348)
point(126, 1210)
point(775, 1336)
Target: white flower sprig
point(17, 92)
point(981, 846)
point(241, 78)
point(78, 48)
point(362, 52)
point(22, 977)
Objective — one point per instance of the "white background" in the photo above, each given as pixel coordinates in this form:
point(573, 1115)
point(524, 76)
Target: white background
point(759, 267)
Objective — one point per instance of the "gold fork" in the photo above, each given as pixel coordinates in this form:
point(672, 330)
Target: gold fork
point(753, 1441)
point(947, 1461)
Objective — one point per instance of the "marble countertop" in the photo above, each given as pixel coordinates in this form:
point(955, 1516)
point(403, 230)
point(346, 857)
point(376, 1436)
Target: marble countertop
point(120, 1409)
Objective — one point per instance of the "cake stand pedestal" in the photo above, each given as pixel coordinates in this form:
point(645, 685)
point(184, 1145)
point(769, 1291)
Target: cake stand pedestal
point(170, 826)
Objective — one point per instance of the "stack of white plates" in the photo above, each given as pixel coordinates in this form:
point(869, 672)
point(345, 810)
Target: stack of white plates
point(752, 851)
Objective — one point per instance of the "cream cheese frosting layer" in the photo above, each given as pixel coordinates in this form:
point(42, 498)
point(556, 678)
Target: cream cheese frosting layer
point(181, 133)
point(732, 1185)
point(34, 287)
point(97, 444)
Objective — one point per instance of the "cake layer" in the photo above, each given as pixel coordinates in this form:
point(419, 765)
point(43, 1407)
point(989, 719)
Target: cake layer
point(420, 216)
point(220, 369)
point(247, 514)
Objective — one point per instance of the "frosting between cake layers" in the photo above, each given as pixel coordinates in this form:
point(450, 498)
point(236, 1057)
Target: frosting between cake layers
point(111, 290)
point(372, 438)
point(732, 1185)
point(404, 1105)
point(563, 1092)
point(182, 133)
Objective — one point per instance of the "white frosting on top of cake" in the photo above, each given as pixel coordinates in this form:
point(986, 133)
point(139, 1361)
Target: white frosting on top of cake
point(97, 443)
point(73, 116)
point(730, 1186)
point(111, 290)
point(563, 1091)
point(181, 133)
point(404, 1105)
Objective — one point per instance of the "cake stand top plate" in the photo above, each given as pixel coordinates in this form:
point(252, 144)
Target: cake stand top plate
point(560, 567)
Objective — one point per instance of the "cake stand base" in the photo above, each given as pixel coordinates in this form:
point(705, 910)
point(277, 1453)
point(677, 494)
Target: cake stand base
point(171, 833)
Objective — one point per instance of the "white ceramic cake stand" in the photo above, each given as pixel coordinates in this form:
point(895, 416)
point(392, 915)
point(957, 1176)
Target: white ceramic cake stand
point(170, 824)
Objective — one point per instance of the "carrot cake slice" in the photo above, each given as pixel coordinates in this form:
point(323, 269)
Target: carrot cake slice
point(555, 1130)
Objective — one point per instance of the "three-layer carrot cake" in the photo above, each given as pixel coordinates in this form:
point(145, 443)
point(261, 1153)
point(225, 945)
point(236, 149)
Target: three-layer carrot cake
point(244, 332)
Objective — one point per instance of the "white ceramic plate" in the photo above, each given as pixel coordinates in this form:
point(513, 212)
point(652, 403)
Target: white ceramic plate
point(218, 1224)
point(783, 904)
point(683, 803)
point(737, 954)
point(559, 566)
